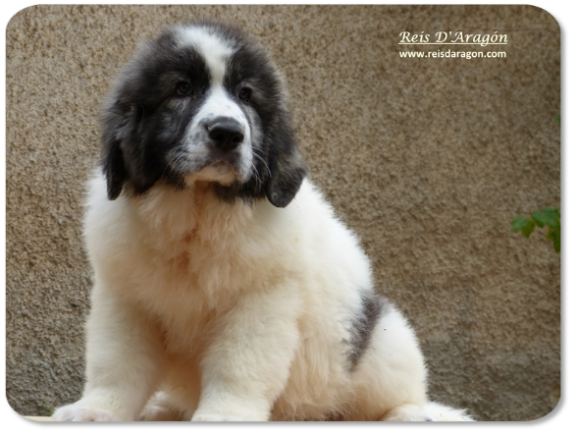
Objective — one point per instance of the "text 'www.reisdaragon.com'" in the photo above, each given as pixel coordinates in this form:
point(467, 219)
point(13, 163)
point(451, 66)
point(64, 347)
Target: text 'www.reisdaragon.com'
point(452, 54)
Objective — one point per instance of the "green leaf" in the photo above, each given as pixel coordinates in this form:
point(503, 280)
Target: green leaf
point(547, 217)
point(528, 229)
point(558, 118)
point(539, 218)
point(518, 223)
point(552, 212)
point(555, 235)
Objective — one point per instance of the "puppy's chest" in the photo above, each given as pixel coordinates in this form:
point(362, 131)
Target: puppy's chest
point(185, 270)
point(189, 274)
point(176, 279)
point(186, 293)
point(186, 330)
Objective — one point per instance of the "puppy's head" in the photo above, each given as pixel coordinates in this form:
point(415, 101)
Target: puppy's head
point(201, 103)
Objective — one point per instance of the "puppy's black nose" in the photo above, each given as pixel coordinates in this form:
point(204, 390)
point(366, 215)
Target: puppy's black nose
point(225, 133)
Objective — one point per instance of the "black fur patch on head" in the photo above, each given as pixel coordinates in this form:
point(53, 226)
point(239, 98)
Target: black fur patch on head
point(144, 120)
point(373, 308)
point(280, 169)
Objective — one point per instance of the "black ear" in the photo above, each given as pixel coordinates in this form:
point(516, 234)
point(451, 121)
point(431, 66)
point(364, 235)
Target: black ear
point(286, 166)
point(114, 122)
point(114, 169)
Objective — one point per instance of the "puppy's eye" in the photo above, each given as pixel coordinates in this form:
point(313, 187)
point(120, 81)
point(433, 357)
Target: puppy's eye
point(244, 94)
point(183, 88)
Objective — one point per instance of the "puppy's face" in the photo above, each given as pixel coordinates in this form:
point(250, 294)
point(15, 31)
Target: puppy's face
point(201, 103)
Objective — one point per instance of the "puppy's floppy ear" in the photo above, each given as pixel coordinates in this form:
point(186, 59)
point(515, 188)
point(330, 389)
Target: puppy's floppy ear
point(286, 166)
point(113, 165)
point(114, 170)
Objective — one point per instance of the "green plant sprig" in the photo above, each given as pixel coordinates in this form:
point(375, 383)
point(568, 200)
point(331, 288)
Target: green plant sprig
point(546, 217)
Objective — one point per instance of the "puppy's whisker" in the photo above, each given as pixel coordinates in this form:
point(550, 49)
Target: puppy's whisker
point(255, 174)
point(263, 162)
point(174, 165)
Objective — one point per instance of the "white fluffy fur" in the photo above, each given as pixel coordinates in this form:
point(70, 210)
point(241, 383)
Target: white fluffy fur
point(237, 312)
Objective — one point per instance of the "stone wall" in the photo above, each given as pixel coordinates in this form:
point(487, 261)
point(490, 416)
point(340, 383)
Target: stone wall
point(427, 159)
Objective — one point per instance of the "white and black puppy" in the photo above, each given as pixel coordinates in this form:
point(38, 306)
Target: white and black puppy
point(225, 287)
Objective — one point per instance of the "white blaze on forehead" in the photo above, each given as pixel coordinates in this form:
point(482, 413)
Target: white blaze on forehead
point(212, 47)
point(216, 51)
point(219, 104)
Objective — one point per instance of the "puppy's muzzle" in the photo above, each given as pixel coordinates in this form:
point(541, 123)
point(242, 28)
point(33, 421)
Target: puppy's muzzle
point(226, 134)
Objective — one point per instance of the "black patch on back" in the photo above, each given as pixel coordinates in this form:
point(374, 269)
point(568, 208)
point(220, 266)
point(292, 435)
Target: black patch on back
point(373, 308)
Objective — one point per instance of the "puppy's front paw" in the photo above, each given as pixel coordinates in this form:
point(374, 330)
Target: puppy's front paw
point(407, 412)
point(160, 413)
point(216, 417)
point(75, 412)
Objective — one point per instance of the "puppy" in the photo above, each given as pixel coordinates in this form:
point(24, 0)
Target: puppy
point(225, 288)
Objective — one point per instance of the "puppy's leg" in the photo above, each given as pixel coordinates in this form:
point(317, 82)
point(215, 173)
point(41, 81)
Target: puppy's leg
point(247, 365)
point(390, 379)
point(161, 408)
point(429, 412)
point(121, 362)
point(407, 412)
point(440, 412)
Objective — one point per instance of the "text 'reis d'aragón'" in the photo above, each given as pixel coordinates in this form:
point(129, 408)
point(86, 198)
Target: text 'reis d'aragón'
point(452, 37)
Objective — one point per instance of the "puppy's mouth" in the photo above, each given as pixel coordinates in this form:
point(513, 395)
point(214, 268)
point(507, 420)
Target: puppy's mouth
point(214, 166)
point(218, 171)
point(223, 171)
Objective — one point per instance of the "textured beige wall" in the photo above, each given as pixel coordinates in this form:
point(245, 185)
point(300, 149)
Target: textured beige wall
point(427, 159)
